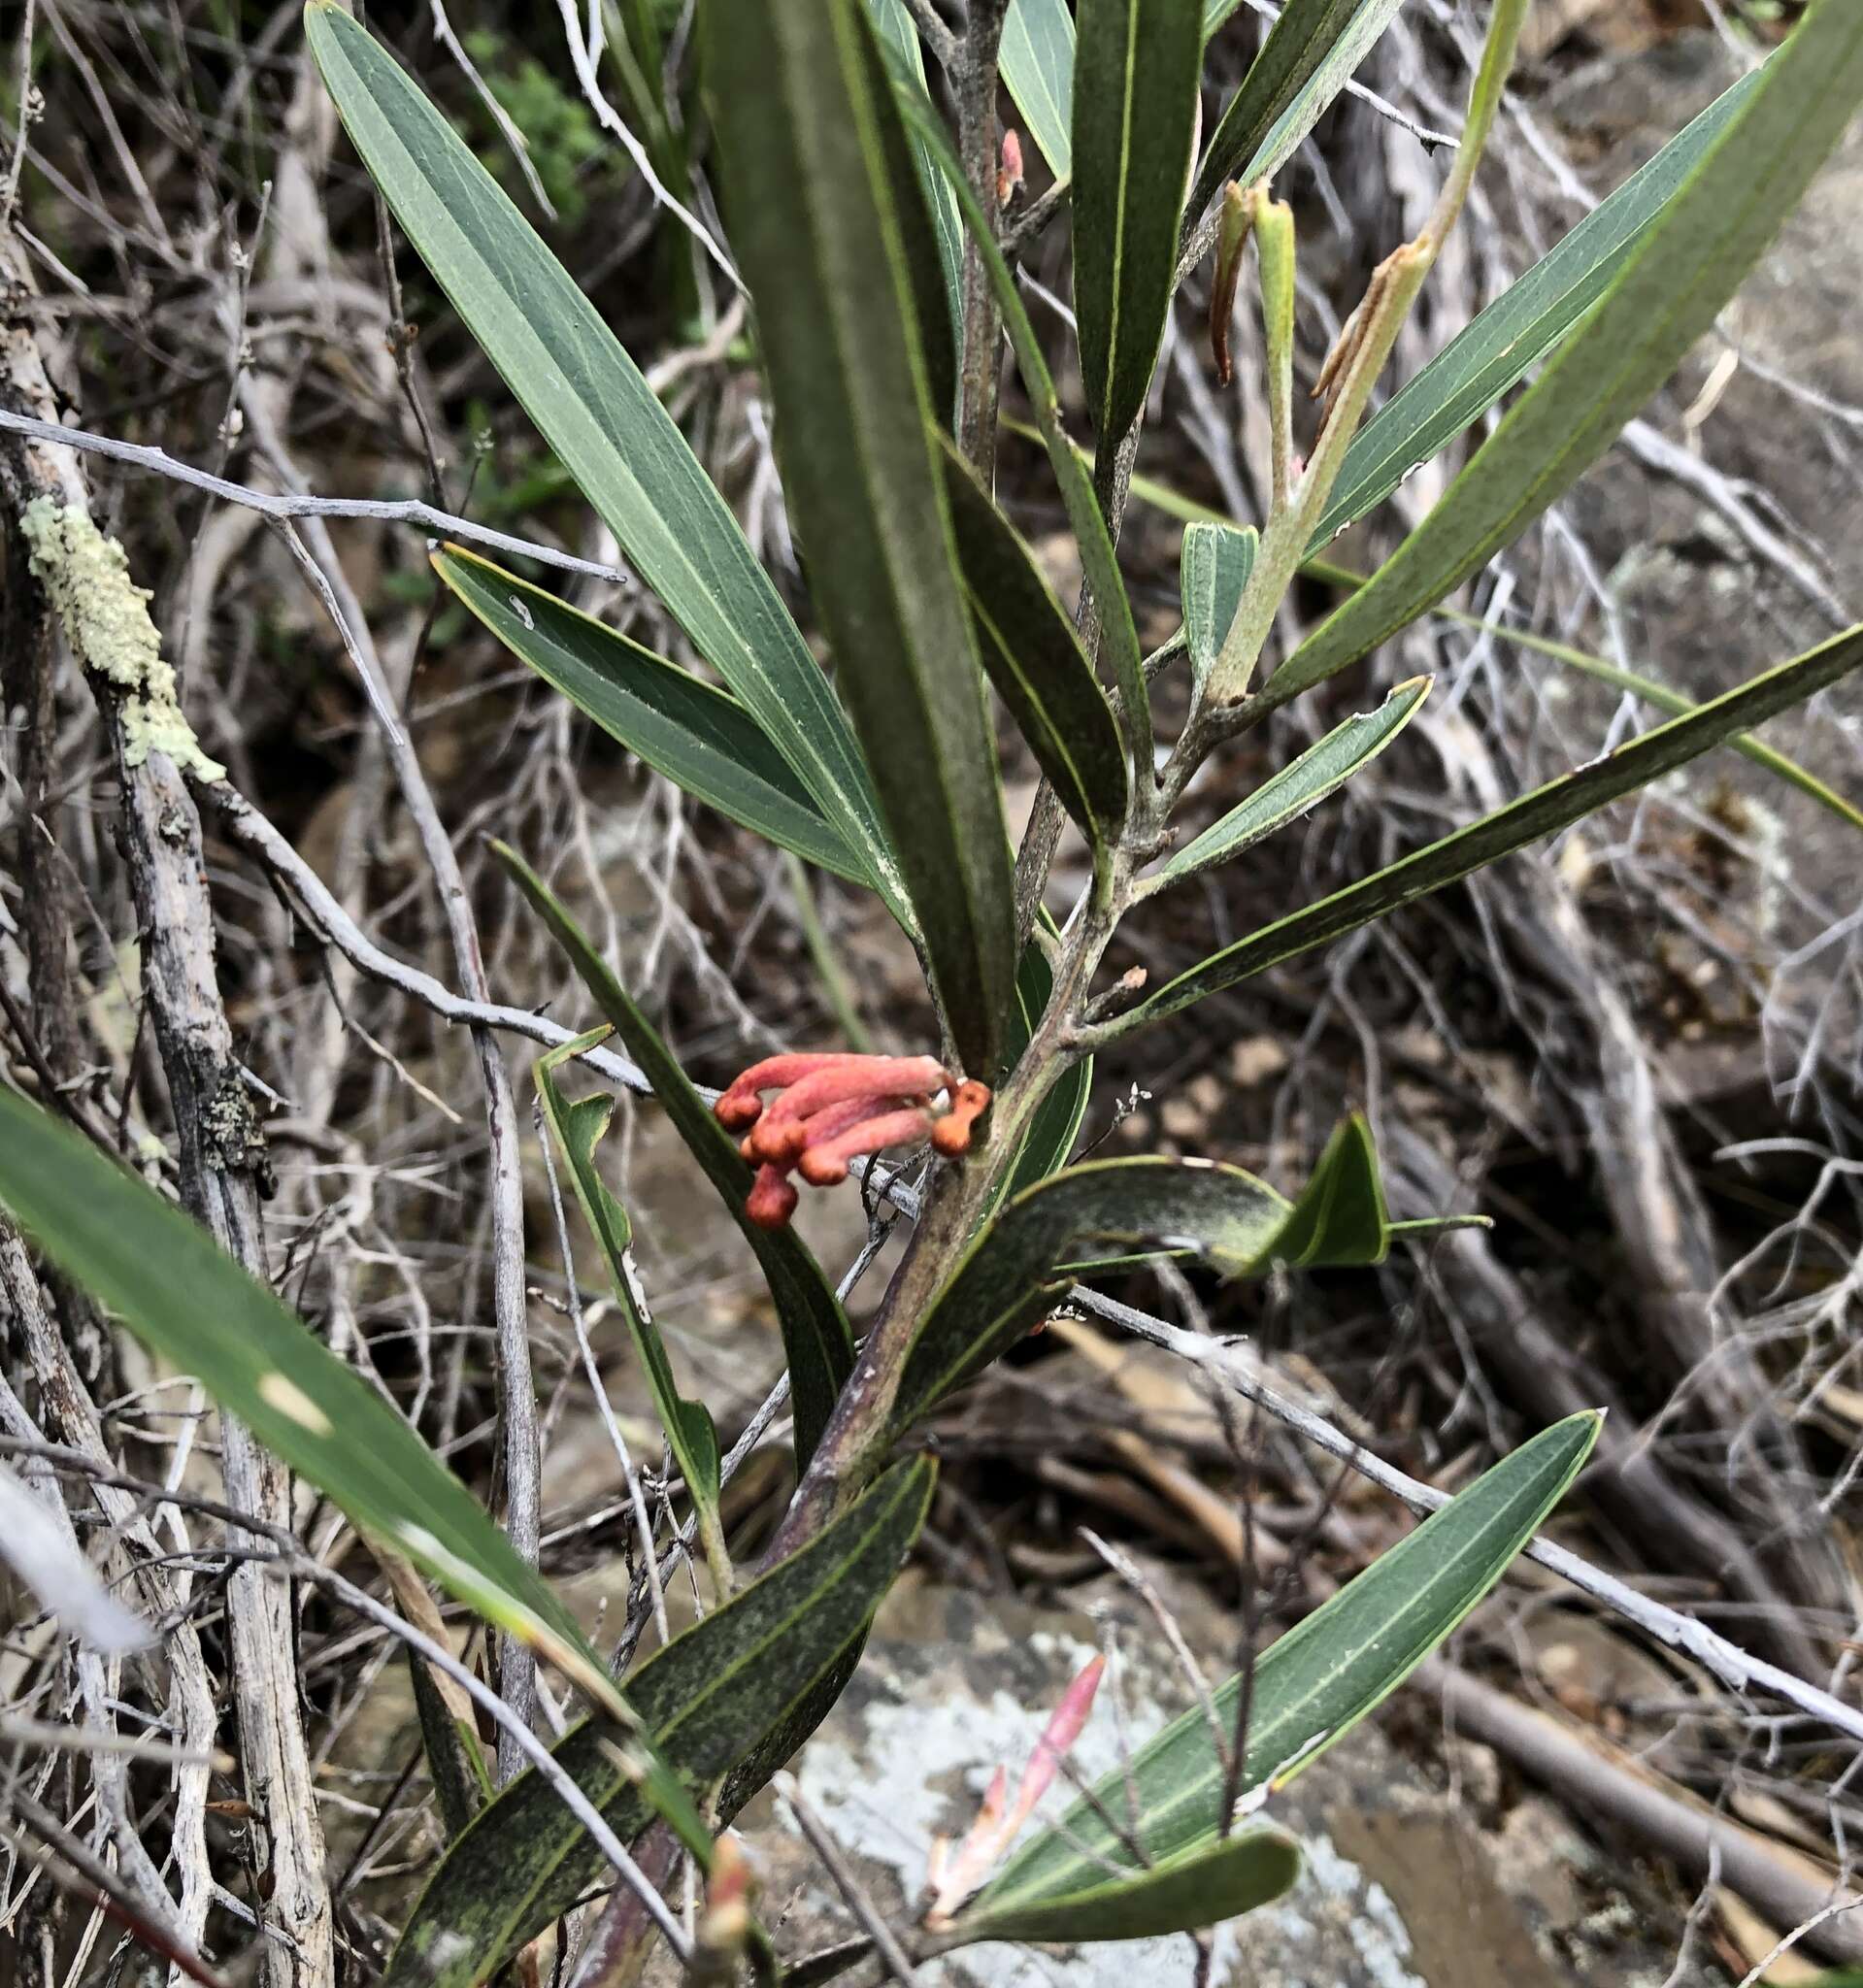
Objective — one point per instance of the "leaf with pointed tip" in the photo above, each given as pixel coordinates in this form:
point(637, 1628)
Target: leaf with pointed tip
point(1525, 322)
point(1307, 58)
point(580, 1124)
point(1303, 784)
point(701, 738)
point(592, 405)
point(1543, 812)
point(1310, 1686)
point(709, 1699)
point(1213, 568)
point(1135, 117)
point(1119, 634)
point(1667, 293)
point(1018, 1265)
point(191, 1303)
point(1201, 1888)
point(817, 1340)
point(1037, 61)
point(1035, 658)
point(802, 108)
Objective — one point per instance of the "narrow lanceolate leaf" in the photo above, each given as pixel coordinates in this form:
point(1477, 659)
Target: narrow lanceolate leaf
point(801, 116)
point(931, 234)
point(1544, 811)
point(1135, 116)
point(1667, 293)
point(1213, 569)
point(709, 1700)
point(191, 1303)
point(1638, 685)
point(1321, 770)
point(602, 420)
point(1313, 39)
point(1214, 1882)
point(579, 1125)
point(1035, 658)
point(1525, 322)
point(817, 1340)
point(1119, 634)
point(1020, 1264)
point(1312, 1686)
point(701, 738)
point(1037, 61)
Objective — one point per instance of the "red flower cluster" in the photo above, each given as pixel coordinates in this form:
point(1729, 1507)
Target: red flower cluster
point(831, 1107)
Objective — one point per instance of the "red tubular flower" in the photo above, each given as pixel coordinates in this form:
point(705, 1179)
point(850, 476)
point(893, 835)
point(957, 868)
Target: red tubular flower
point(740, 1105)
point(831, 1124)
point(950, 1134)
point(773, 1198)
point(781, 1133)
point(832, 1107)
point(824, 1161)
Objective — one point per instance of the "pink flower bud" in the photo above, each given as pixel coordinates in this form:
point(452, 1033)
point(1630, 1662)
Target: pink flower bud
point(780, 1135)
point(773, 1198)
point(1008, 175)
point(824, 1162)
point(740, 1105)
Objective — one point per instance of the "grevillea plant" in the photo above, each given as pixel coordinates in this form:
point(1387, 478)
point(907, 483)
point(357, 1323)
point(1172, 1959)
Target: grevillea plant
point(874, 251)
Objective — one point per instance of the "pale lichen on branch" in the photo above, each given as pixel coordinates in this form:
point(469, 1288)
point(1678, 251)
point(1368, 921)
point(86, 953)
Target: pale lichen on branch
point(106, 619)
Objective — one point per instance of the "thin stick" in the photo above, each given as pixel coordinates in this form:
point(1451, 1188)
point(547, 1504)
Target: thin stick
point(298, 504)
point(873, 1923)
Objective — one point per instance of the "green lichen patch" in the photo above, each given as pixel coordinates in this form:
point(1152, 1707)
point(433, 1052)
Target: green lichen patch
point(106, 620)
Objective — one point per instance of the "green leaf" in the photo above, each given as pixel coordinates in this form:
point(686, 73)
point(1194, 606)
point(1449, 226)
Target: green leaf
point(1497, 349)
point(1119, 634)
point(1173, 503)
point(601, 418)
point(1668, 292)
point(1312, 1685)
point(1018, 1265)
point(1135, 115)
point(817, 1340)
point(1203, 1887)
point(579, 1126)
point(1638, 684)
point(1037, 61)
point(701, 738)
point(191, 1303)
point(1213, 568)
point(1543, 812)
point(1303, 784)
point(455, 1762)
point(709, 1699)
point(1306, 61)
point(801, 118)
point(1048, 1143)
point(894, 25)
point(1035, 658)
